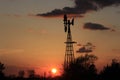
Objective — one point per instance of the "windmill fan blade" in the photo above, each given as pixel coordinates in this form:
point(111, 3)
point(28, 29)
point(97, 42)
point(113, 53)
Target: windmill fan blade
point(72, 21)
point(65, 28)
point(65, 18)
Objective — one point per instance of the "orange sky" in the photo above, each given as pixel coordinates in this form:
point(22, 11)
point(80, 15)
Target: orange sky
point(28, 41)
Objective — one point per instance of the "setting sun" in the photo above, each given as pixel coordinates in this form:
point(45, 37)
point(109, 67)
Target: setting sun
point(54, 70)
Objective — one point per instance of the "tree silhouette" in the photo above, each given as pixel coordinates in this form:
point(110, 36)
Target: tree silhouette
point(31, 73)
point(83, 68)
point(1, 70)
point(21, 74)
point(111, 72)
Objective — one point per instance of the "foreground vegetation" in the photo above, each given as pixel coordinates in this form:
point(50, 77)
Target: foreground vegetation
point(83, 68)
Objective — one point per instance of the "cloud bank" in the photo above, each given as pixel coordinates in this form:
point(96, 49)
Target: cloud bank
point(81, 7)
point(83, 50)
point(95, 26)
point(88, 48)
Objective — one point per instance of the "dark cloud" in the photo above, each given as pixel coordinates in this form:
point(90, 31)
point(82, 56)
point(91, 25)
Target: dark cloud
point(105, 3)
point(113, 30)
point(59, 12)
point(86, 48)
point(95, 26)
point(81, 7)
point(83, 50)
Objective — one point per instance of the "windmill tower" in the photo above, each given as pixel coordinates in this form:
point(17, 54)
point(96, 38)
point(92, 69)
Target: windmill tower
point(69, 53)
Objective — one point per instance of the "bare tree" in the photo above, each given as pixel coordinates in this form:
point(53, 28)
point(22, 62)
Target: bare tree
point(2, 67)
point(21, 74)
point(31, 73)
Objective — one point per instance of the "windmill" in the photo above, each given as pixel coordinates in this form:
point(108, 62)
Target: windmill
point(69, 52)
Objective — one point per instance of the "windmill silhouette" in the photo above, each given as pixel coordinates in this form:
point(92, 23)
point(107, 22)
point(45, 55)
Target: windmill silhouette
point(69, 53)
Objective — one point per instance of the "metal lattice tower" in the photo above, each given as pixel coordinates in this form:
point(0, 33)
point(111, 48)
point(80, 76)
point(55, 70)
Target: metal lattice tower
point(69, 53)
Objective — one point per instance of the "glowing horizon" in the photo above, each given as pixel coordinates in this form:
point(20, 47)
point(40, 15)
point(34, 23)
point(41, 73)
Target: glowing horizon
point(36, 42)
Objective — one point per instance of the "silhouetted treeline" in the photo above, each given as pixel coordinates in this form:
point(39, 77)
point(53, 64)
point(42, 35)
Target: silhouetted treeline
point(111, 72)
point(83, 68)
point(1, 70)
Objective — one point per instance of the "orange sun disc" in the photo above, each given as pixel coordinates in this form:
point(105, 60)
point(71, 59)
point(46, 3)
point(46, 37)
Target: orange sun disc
point(54, 70)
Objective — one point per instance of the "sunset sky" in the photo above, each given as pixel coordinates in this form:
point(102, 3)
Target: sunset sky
point(32, 32)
